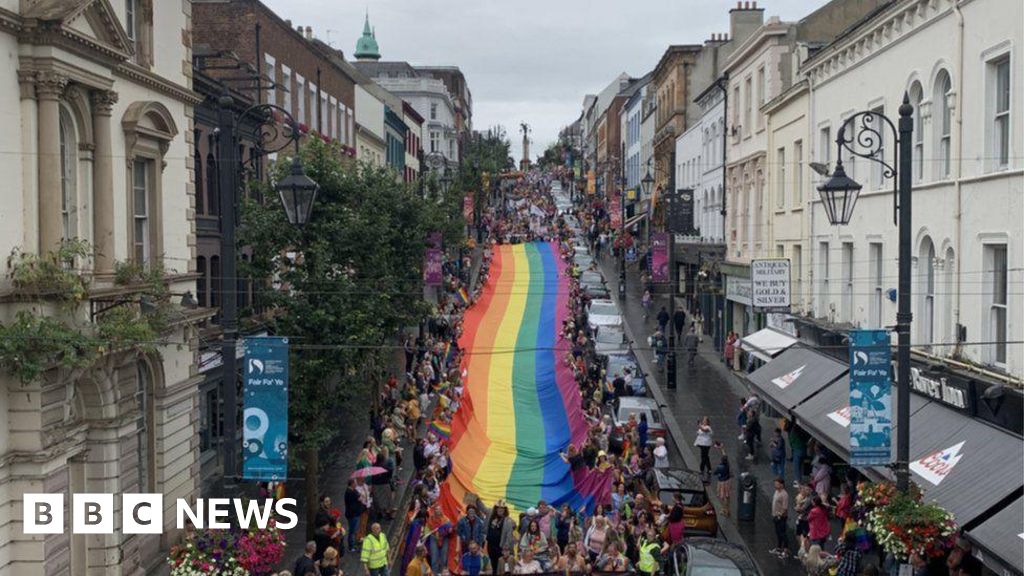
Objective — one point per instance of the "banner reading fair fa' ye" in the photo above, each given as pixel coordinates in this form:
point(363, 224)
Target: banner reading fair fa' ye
point(265, 420)
point(870, 398)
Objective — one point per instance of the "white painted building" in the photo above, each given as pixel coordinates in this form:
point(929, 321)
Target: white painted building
point(369, 127)
point(98, 111)
point(699, 165)
point(959, 63)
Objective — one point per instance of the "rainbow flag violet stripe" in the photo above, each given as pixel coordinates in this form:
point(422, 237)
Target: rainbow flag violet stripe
point(521, 406)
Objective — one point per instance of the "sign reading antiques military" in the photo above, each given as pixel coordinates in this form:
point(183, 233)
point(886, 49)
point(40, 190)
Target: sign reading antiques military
point(769, 283)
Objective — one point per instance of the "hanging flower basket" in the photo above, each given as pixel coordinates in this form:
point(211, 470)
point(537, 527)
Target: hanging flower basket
point(903, 525)
point(235, 552)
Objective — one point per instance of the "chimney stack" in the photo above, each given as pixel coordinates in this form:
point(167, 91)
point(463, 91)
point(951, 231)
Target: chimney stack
point(744, 20)
point(309, 32)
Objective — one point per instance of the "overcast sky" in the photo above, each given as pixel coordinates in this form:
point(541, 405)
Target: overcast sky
point(527, 60)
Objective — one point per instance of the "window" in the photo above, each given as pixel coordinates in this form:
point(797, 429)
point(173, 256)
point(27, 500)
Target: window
point(270, 71)
point(339, 121)
point(949, 284)
point(748, 105)
point(1002, 112)
point(798, 274)
point(736, 110)
point(877, 172)
point(825, 146)
point(847, 304)
point(926, 287)
point(780, 251)
point(823, 295)
point(996, 280)
point(314, 108)
point(68, 173)
point(435, 141)
point(300, 97)
point(211, 420)
point(142, 244)
point(780, 178)
point(212, 185)
point(131, 10)
point(877, 291)
point(146, 434)
point(943, 86)
point(323, 124)
point(433, 110)
point(762, 95)
point(916, 95)
point(798, 173)
point(286, 89)
point(202, 281)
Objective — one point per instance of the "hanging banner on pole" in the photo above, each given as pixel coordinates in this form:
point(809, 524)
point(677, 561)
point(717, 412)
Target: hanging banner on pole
point(432, 275)
point(591, 182)
point(659, 257)
point(265, 415)
point(615, 210)
point(870, 398)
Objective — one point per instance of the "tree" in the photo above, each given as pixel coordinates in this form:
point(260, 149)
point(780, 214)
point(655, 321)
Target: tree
point(347, 281)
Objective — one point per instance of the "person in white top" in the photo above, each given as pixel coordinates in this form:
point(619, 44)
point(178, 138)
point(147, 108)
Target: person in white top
point(660, 454)
point(705, 440)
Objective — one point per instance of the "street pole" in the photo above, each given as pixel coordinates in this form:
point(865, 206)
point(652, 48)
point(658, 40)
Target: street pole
point(670, 365)
point(903, 314)
point(228, 165)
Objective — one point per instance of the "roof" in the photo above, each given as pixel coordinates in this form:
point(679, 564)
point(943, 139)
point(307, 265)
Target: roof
point(366, 46)
point(395, 69)
point(637, 402)
point(719, 553)
point(1000, 535)
point(794, 376)
point(678, 479)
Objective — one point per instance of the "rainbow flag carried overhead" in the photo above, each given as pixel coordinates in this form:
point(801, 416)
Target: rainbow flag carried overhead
point(463, 296)
point(521, 405)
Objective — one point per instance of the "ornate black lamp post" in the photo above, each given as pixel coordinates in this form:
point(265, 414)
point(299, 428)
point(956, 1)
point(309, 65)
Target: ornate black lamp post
point(297, 192)
point(839, 196)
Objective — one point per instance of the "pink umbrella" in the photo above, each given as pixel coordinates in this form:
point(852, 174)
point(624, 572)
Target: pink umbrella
point(368, 471)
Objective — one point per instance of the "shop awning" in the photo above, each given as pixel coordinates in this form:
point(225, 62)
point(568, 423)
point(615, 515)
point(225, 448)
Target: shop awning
point(963, 464)
point(998, 541)
point(635, 220)
point(826, 417)
point(767, 343)
point(794, 376)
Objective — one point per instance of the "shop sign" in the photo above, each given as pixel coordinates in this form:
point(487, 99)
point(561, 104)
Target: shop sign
point(870, 398)
point(936, 467)
point(940, 389)
point(769, 279)
point(737, 289)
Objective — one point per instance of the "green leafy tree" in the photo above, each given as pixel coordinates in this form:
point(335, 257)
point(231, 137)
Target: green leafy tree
point(345, 284)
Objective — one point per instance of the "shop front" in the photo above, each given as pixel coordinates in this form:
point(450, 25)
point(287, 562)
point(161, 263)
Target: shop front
point(739, 314)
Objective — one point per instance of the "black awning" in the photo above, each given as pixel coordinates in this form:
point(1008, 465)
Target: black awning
point(963, 464)
point(794, 376)
point(999, 541)
point(826, 416)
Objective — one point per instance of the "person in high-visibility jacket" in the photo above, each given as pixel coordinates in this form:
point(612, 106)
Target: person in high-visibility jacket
point(650, 550)
point(375, 552)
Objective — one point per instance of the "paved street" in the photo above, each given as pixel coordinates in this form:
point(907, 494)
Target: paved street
point(707, 389)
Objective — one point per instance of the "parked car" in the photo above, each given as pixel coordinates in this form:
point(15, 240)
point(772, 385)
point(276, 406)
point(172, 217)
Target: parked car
point(620, 410)
point(619, 363)
point(596, 291)
point(610, 340)
point(581, 249)
point(591, 277)
point(710, 557)
point(603, 312)
point(699, 515)
point(584, 261)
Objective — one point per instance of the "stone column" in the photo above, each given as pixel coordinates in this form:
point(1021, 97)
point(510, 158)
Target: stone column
point(103, 181)
point(49, 88)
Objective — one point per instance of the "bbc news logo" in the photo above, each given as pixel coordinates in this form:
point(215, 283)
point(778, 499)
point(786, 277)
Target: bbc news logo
point(144, 513)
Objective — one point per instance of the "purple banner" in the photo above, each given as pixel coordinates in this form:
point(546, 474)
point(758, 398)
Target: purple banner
point(659, 257)
point(432, 275)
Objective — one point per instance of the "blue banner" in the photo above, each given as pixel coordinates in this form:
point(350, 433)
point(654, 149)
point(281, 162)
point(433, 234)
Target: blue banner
point(265, 421)
point(870, 398)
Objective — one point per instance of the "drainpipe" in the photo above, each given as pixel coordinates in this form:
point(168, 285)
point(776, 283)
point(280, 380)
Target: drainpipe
point(723, 84)
point(958, 257)
point(809, 199)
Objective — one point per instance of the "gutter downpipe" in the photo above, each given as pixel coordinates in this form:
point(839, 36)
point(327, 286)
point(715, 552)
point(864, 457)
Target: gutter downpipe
point(809, 212)
point(723, 84)
point(958, 256)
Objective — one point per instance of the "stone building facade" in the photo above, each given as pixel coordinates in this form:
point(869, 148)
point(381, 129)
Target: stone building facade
point(98, 102)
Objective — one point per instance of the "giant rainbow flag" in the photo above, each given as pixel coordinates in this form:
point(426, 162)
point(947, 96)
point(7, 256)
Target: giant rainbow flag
point(521, 406)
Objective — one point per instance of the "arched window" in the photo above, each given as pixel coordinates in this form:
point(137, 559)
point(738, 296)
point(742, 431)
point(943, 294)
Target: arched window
point(146, 430)
point(926, 287)
point(949, 287)
point(68, 174)
point(916, 95)
point(941, 104)
point(212, 189)
point(215, 281)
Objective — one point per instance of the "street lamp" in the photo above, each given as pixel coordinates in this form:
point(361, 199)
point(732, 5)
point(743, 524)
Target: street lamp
point(839, 195)
point(297, 192)
point(647, 183)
